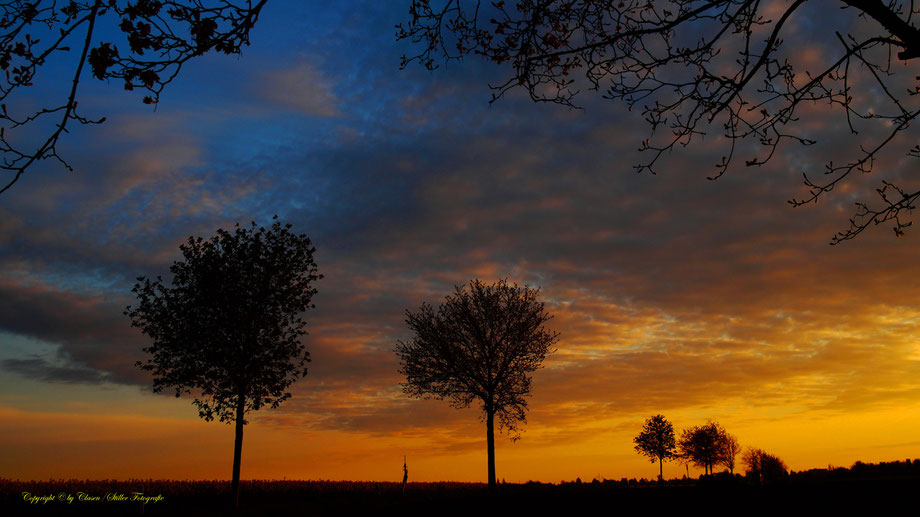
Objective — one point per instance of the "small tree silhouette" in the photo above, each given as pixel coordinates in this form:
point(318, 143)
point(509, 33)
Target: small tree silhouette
point(657, 442)
point(730, 450)
point(764, 468)
point(480, 344)
point(703, 445)
point(228, 329)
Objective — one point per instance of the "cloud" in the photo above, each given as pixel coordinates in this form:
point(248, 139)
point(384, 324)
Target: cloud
point(96, 342)
point(302, 88)
point(664, 300)
point(40, 369)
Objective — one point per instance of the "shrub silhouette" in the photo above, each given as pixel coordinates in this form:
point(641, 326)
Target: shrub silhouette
point(764, 468)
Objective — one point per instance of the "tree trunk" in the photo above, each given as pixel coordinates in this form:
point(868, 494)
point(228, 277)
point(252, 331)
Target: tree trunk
point(660, 472)
point(490, 444)
point(238, 450)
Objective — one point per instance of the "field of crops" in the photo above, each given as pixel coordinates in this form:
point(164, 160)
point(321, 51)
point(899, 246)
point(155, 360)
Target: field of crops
point(336, 498)
point(172, 497)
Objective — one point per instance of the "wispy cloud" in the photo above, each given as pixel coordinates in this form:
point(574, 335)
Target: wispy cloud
point(301, 88)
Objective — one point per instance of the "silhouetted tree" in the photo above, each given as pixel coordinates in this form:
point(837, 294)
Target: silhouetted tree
point(151, 41)
point(692, 64)
point(228, 329)
point(703, 445)
point(764, 468)
point(656, 440)
point(480, 344)
point(730, 450)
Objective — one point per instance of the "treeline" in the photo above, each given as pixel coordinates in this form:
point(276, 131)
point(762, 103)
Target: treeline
point(706, 446)
point(710, 445)
point(859, 471)
point(907, 470)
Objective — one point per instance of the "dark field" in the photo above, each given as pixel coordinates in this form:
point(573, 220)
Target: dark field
point(817, 492)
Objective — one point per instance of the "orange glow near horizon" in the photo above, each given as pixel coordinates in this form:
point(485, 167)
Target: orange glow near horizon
point(136, 447)
point(809, 369)
point(815, 400)
point(812, 384)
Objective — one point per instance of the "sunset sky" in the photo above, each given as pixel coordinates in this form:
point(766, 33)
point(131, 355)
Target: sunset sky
point(701, 300)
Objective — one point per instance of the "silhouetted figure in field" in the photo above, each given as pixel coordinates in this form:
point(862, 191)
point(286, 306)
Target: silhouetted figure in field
point(405, 474)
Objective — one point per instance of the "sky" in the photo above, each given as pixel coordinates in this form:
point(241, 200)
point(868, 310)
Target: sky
point(700, 300)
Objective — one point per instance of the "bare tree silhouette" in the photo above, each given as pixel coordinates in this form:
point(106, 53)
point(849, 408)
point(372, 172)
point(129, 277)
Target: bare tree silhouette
point(480, 344)
point(730, 450)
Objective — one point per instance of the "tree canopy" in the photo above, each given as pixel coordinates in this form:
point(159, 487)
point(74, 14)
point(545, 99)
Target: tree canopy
point(704, 445)
point(481, 344)
point(763, 467)
point(227, 330)
point(656, 440)
point(700, 66)
point(731, 448)
point(151, 40)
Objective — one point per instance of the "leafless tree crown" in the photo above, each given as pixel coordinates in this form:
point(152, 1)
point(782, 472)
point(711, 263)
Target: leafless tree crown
point(481, 344)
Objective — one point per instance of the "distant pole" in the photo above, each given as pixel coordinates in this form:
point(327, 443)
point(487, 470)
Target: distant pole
point(405, 475)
